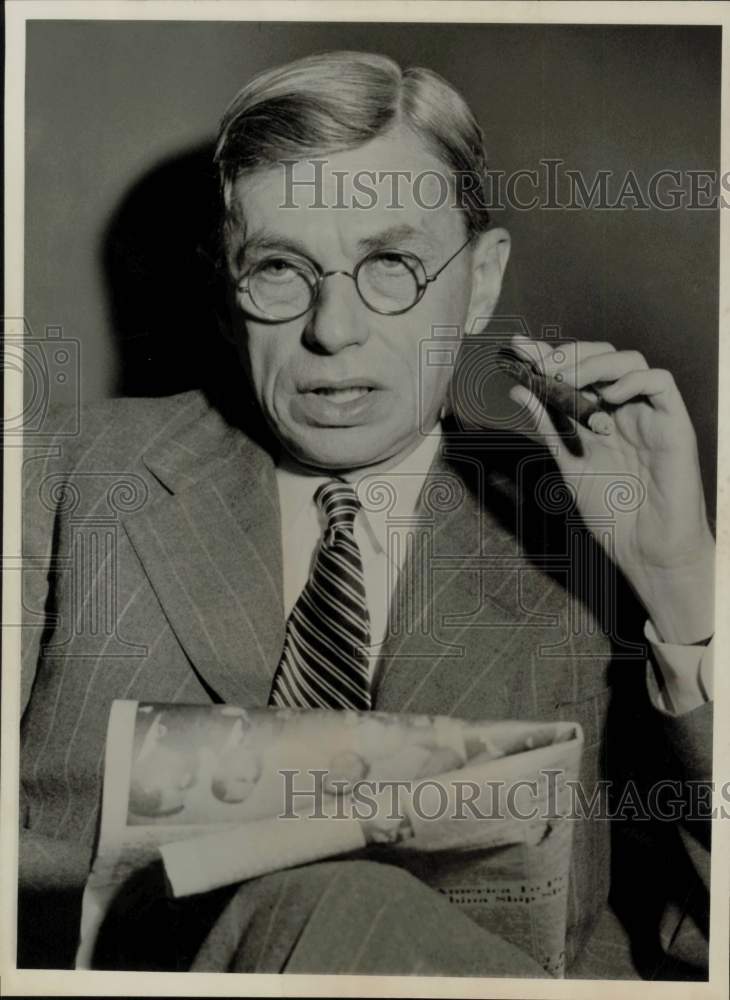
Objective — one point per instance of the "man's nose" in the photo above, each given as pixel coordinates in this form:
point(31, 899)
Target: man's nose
point(339, 318)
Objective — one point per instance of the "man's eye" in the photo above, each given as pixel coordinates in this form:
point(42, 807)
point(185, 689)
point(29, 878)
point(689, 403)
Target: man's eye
point(277, 269)
point(389, 263)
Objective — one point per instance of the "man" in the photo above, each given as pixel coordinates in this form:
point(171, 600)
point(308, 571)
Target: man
point(339, 537)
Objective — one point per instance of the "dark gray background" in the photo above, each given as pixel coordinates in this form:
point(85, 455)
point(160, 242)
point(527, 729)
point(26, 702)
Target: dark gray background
point(119, 115)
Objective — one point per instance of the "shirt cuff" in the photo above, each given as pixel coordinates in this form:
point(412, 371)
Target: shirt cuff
point(683, 679)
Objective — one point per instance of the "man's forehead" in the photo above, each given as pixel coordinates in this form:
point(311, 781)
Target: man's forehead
point(393, 183)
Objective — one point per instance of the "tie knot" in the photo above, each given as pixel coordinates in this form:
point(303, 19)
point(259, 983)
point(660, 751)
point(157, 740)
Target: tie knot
point(339, 504)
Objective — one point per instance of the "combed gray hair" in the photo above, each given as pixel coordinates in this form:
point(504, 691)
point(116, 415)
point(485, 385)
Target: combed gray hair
point(337, 101)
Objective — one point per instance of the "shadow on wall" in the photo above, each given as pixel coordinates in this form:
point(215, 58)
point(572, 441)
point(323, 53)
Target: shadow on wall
point(161, 283)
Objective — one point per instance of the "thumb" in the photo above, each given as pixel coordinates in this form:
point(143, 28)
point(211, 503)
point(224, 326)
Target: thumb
point(538, 423)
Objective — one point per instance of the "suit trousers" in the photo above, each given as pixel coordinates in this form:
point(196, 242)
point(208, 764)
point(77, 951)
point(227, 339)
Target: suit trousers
point(348, 917)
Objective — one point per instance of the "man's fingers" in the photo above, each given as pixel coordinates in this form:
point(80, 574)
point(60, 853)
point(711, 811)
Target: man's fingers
point(656, 384)
point(566, 440)
point(572, 352)
point(600, 368)
point(534, 351)
point(593, 364)
point(540, 423)
point(551, 357)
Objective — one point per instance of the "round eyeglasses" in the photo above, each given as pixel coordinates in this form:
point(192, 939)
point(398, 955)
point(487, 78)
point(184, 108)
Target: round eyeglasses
point(282, 286)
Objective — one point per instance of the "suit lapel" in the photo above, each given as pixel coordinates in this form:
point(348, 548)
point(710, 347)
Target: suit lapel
point(450, 647)
point(212, 552)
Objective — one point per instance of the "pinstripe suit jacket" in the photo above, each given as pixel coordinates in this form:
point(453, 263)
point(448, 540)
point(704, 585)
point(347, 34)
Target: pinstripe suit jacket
point(153, 572)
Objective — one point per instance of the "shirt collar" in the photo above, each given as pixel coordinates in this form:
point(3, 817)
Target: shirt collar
point(385, 496)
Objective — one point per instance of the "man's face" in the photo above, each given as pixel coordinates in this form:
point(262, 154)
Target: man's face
point(344, 387)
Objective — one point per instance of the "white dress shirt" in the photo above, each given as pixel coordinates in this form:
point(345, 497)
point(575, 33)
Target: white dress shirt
point(685, 675)
point(302, 525)
point(684, 679)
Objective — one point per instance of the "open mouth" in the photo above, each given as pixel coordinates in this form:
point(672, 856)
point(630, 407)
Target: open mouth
point(347, 395)
point(345, 403)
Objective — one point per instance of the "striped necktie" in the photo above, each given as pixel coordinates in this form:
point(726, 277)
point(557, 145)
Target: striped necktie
point(325, 659)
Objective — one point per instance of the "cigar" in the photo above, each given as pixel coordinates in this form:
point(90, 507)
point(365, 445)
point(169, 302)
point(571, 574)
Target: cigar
point(557, 395)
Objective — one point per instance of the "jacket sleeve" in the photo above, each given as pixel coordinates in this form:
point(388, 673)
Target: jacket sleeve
point(51, 873)
point(43, 494)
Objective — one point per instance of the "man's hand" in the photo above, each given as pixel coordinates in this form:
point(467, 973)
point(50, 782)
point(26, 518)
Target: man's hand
point(644, 476)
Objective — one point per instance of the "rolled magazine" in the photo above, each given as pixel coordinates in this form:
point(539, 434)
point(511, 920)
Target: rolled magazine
point(223, 794)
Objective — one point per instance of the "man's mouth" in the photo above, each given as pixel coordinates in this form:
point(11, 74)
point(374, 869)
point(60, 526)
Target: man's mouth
point(347, 395)
point(337, 402)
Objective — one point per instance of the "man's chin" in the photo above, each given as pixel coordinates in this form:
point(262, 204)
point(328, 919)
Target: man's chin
point(339, 449)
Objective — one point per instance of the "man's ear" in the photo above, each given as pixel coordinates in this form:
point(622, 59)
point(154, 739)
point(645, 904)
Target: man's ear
point(491, 253)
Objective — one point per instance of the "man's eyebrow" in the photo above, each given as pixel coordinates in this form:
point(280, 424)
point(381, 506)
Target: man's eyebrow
point(396, 237)
point(391, 238)
point(265, 240)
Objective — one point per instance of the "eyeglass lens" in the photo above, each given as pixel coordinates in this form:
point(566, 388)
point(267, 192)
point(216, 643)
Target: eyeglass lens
point(283, 288)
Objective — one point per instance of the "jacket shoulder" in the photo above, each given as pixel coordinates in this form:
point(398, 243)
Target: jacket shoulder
point(117, 431)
